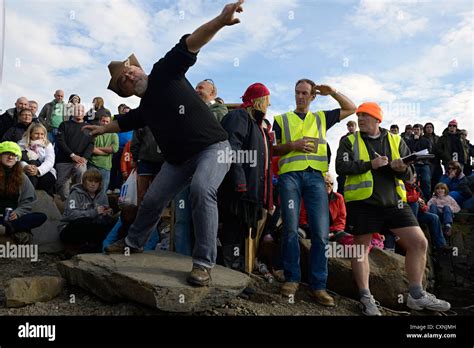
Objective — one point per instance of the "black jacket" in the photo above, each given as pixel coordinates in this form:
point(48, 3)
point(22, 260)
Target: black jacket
point(384, 193)
point(15, 133)
point(7, 120)
point(250, 177)
point(419, 144)
point(144, 147)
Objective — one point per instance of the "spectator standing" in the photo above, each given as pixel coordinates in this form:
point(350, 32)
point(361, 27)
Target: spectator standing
point(105, 146)
point(74, 149)
point(53, 114)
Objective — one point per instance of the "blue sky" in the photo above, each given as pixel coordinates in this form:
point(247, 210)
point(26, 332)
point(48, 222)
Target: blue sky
point(415, 57)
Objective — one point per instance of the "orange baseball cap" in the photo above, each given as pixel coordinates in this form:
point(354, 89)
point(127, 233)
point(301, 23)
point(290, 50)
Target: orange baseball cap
point(373, 109)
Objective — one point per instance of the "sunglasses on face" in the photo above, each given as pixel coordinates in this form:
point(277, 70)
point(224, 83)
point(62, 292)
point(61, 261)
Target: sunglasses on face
point(210, 81)
point(452, 126)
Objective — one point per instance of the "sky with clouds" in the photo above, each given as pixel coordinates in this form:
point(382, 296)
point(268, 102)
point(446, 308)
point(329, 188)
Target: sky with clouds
point(415, 57)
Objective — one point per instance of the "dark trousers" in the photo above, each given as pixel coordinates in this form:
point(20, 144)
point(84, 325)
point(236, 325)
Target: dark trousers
point(232, 238)
point(25, 223)
point(115, 172)
point(46, 183)
point(84, 231)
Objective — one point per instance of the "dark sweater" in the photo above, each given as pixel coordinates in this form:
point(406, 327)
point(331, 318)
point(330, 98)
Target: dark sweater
point(384, 193)
point(181, 122)
point(71, 139)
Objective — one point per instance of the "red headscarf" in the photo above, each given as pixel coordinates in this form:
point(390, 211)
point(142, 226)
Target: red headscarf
point(257, 90)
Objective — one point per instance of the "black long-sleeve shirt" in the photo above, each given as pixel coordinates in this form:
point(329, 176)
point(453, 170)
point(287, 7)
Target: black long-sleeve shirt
point(71, 139)
point(384, 193)
point(181, 122)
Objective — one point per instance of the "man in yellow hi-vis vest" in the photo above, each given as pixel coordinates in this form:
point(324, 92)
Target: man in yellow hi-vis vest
point(301, 138)
point(376, 199)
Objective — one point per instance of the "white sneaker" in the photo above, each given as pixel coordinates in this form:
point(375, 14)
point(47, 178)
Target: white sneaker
point(109, 192)
point(370, 307)
point(117, 191)
point(428, 301)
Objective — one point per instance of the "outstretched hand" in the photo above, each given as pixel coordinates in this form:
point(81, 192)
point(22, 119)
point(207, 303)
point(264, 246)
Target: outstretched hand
point(93, 130)
point(227, 15)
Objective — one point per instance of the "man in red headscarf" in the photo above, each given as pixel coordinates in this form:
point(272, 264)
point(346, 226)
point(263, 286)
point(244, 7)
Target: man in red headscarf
point(246, 190)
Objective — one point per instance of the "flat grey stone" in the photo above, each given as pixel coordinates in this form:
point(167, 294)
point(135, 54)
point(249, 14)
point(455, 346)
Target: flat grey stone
point(156, 279)
point(47, 236)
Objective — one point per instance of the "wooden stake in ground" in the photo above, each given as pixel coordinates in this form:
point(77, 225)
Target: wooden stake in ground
point(249, 252)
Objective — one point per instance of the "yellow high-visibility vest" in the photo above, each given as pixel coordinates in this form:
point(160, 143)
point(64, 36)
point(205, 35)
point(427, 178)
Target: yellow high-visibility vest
point(294, 128)
point(359, 187)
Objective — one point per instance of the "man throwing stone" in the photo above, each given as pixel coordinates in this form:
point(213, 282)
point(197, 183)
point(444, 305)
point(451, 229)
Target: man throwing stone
point(189, 136)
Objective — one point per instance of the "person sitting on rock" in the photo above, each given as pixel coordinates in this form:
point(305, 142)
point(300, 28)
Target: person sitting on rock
point(17, 195)
point(443, 205)
point(455, 180)
point(87, 217)
point(38, 158)
point(420, 210)
point(15, 133)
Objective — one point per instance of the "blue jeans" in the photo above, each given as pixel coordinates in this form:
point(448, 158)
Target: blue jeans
point(458, 197)
point(204, 172)
point(184, 223)
point(105, 176)
point(446, 216)
point(25, 222)
point(434, 225)
point(469, 204)
point(423, 172)
point(52, 135)
point(310, 186)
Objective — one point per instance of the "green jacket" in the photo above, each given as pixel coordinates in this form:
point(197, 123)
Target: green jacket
point(219, 110)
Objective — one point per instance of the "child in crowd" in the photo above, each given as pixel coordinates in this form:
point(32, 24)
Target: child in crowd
point(17, 195)
point(444, 206)
point(87, 216)
point(38, 158)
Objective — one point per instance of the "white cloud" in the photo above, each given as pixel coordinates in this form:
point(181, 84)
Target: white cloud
point(360, 88)
point(64, 44)
point(389, 20)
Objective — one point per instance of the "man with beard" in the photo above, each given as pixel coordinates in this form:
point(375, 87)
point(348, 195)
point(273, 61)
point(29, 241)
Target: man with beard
point(189, 136)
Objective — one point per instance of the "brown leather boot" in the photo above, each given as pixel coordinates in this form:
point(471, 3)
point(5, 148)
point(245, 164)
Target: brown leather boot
point(199, 276)
point(323, 298)
point(119, 248)
point(289, 289)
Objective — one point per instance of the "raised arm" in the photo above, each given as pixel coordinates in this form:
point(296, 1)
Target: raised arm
point(347, 106)
point(206, 32)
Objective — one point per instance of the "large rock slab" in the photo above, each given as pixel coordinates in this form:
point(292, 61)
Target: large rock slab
point(156, 279)
point(47, 236)
point(23, 291)
point(388, 281)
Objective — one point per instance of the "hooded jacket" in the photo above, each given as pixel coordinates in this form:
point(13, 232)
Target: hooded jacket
point(80, 204)
point(23, 203)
